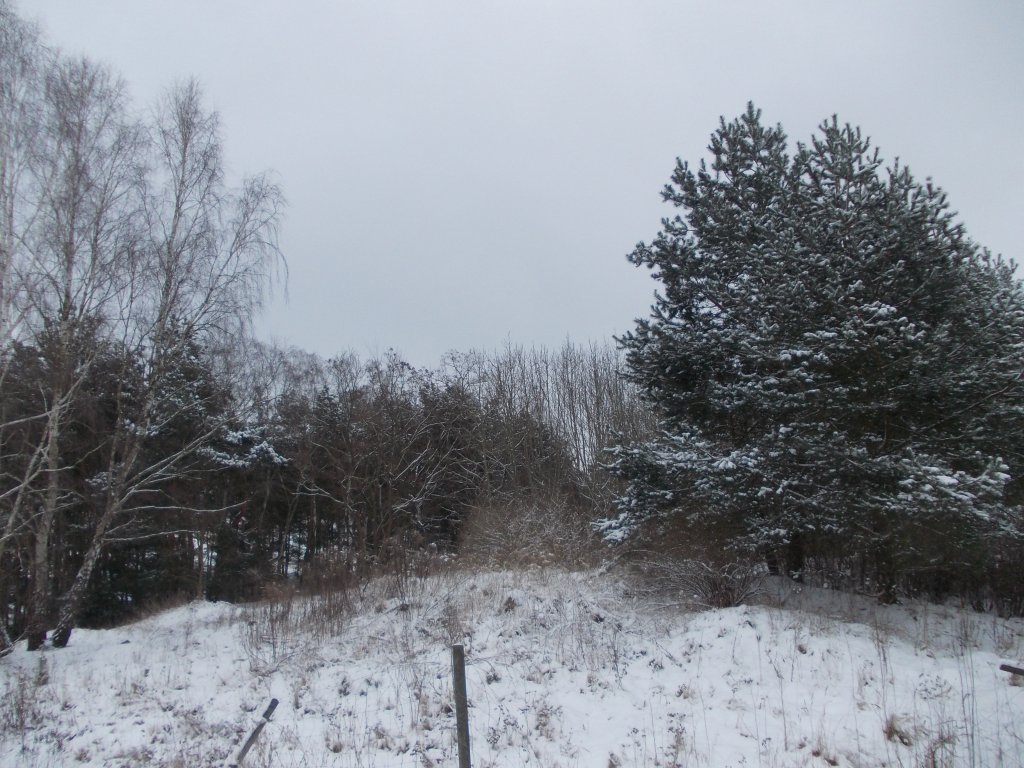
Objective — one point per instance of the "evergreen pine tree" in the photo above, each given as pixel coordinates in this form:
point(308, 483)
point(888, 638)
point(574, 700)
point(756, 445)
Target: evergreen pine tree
point(836, 366)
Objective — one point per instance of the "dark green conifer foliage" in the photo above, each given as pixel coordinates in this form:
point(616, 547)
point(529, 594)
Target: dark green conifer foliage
point(836, 366)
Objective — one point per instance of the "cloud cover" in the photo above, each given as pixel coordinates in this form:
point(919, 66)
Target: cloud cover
point(468, 174)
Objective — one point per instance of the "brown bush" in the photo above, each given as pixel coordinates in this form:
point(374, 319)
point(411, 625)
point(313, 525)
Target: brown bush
point(532, 532)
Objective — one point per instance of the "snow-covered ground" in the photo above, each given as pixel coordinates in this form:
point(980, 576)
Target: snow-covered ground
point(564, 669)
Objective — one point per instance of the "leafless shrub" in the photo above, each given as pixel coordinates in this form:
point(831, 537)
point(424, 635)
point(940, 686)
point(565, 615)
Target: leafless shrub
point(534, 532)
point(405, 561)
point(327, 586)
point(268, 630)
point(897, 730)
point(21, 709)
point(703, 584)
point(940, 752)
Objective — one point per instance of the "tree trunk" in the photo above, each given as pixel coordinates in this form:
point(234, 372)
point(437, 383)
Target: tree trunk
point(71, 604)
point(41, 582)
point(795, 558)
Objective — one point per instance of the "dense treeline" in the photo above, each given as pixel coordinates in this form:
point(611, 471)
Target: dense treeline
point(309, 466)
point(149, 449)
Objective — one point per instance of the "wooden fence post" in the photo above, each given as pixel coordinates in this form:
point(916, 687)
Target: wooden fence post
point(255, 733)
point(461, 704)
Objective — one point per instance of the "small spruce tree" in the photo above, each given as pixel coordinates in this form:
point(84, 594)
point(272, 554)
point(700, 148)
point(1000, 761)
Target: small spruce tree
point(836, 366)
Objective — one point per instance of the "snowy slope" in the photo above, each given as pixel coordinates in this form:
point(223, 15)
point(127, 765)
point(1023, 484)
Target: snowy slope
point(566, 669)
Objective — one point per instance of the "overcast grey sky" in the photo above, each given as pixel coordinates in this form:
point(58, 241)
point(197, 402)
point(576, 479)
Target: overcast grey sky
point(462, 174)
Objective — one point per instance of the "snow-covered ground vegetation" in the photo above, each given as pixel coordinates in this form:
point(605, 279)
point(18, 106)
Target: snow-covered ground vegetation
point(564, 669)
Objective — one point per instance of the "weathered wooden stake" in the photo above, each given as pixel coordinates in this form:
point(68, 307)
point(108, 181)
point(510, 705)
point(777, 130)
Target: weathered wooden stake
point(256, 732)
point(461, 705)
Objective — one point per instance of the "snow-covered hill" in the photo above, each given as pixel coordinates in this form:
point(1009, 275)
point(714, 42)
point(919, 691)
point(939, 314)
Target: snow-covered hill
point(565, 669)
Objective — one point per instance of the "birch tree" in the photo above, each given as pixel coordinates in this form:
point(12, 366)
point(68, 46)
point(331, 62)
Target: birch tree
point(80, 252)
point(122, 247)
point(209, 253)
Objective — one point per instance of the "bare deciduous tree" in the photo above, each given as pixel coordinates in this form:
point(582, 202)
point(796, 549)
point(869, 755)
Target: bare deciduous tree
point(82, 235)
point(121, 246)
point(209, 256)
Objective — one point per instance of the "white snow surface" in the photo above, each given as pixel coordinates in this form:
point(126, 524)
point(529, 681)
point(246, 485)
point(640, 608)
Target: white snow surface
point(564, 669)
